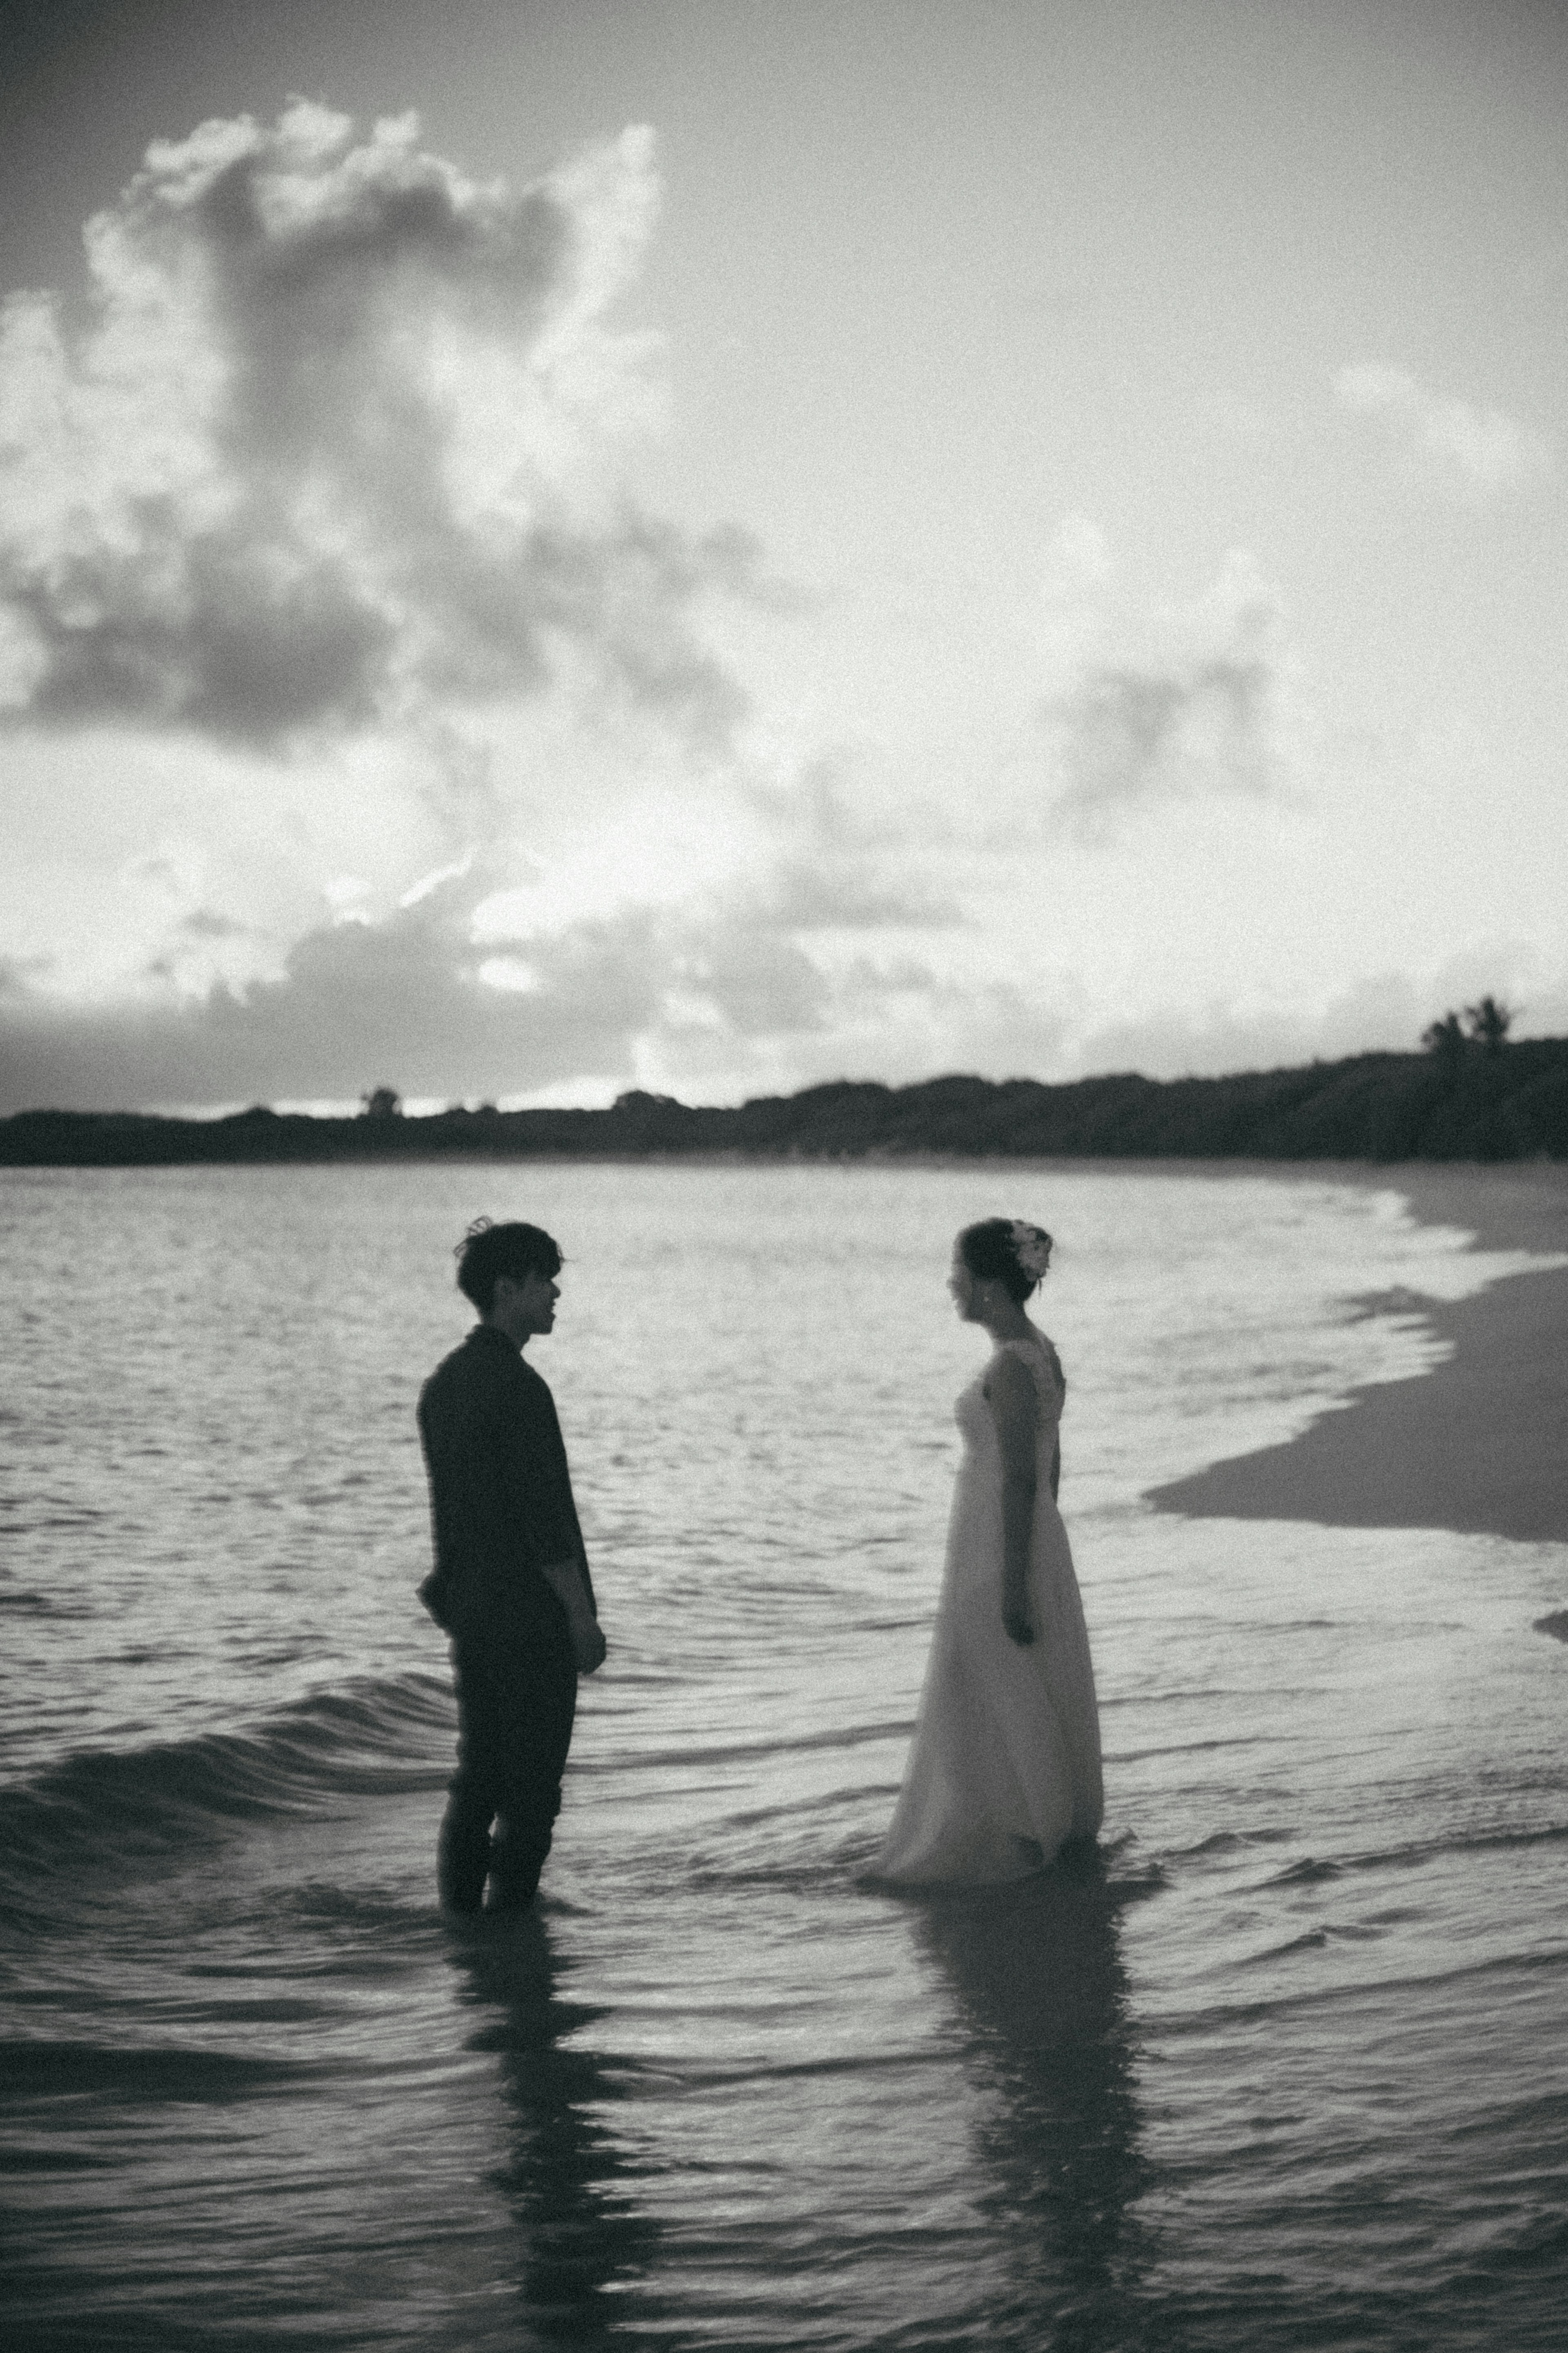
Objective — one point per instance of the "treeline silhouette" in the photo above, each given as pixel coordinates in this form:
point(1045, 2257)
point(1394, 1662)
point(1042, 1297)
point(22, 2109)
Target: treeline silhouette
point(1465, 1098)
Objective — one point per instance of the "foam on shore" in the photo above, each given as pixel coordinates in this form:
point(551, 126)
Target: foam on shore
point(1480, 1445)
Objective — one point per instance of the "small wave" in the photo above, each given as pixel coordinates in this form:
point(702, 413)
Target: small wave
point(1312, 1942)
point(142, 2072)
point(1228, 1841)
point(27, 1604)
point(368, 1912)
point(1423, 1851)
point(1308, 1872)
point(857, 1797)
point(107, 1807)
point(731, 1752)
point(1394, 1993)
point(1150, 1880)
point(812, 1873)
point(1193, 1747)
point(705, 2080)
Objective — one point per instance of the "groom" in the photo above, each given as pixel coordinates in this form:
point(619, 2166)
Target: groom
point(510, 1584)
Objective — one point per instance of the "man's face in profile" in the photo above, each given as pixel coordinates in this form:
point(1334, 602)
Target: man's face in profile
point(525, 1304)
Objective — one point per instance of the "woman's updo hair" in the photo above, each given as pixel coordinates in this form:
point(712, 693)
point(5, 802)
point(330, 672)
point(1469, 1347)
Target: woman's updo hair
point(1009, 1252)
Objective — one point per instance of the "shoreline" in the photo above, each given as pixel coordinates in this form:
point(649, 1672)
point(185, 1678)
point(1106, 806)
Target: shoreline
point(1479, 1444)
point(1476, 1445)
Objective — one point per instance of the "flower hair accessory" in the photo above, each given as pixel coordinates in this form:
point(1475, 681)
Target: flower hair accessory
point(1031, 1248)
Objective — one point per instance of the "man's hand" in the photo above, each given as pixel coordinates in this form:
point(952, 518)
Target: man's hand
point(588, 1645)
point(435, 1594)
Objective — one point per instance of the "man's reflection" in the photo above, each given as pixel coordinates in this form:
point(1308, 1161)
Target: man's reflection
point(585, 2243)
point(1044, 1997)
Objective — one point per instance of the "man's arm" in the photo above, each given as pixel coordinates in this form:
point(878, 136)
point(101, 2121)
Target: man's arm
point(566, 1581)
point(435, 1590)
point(542, 1511)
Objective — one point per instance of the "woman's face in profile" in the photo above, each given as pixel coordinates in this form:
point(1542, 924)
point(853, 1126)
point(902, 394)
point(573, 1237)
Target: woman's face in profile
point(961, 1284)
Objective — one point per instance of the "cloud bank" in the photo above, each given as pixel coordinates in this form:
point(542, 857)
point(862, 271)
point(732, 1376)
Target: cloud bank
point(443, 998)
point(330, 451)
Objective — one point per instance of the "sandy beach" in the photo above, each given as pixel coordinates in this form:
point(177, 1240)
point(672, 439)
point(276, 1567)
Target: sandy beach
point(1481, 1443)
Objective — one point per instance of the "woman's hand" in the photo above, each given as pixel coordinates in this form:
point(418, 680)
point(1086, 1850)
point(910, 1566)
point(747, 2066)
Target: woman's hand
point(1015, 1619)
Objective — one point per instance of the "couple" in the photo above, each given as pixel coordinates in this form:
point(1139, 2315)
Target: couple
point(1004, 1767)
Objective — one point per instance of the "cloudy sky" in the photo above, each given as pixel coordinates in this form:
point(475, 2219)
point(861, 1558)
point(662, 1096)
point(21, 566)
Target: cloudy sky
point(555, 545)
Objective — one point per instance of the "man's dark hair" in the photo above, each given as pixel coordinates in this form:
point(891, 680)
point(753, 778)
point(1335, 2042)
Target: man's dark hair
point(488, 1251)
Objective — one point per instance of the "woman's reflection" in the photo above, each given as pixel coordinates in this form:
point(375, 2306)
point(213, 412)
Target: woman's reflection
point(1042, 1999)
point(585, 2243)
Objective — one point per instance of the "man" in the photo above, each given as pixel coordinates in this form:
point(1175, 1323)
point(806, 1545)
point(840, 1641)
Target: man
point(510, 1583)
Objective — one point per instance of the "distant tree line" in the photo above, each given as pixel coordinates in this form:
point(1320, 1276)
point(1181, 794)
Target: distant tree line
point(1474, 1095)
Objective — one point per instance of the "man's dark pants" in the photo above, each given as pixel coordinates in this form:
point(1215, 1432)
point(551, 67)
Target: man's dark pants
point(515, 1706)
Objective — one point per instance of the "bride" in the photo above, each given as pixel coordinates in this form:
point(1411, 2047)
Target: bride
point(1004, 1765)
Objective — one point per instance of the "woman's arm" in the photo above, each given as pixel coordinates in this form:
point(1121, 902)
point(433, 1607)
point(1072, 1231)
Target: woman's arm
point(1015, 1408)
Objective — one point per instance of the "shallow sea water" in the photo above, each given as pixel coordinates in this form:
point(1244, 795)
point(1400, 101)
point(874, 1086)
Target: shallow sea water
point(1284, 2068)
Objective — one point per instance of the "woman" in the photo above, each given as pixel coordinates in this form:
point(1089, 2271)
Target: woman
point(1005, 1765)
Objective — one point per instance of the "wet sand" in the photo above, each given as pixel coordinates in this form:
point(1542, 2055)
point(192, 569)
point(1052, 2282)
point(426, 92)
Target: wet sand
point(1481, 1443)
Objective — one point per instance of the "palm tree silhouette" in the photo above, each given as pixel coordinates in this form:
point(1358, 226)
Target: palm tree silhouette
point(1488, 1024)
point(1446, 1039)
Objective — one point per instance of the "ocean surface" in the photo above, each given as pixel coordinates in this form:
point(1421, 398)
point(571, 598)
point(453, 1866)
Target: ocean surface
point(1284, 2067)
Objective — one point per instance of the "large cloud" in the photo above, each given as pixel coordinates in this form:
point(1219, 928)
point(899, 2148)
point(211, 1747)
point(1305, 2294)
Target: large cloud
point(332, 447)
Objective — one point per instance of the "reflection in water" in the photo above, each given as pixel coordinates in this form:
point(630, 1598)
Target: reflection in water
point(585, 2243)
point(1038, 1974)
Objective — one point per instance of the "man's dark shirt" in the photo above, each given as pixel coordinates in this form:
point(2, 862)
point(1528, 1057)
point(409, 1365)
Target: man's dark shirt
point(501, 1493)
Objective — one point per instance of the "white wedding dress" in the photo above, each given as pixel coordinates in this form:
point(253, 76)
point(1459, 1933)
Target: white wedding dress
point(1004, 1764)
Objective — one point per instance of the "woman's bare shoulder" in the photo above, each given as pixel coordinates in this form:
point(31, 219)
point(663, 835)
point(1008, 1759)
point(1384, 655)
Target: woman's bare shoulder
point(1030, 1355)
point(1011, 1372)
